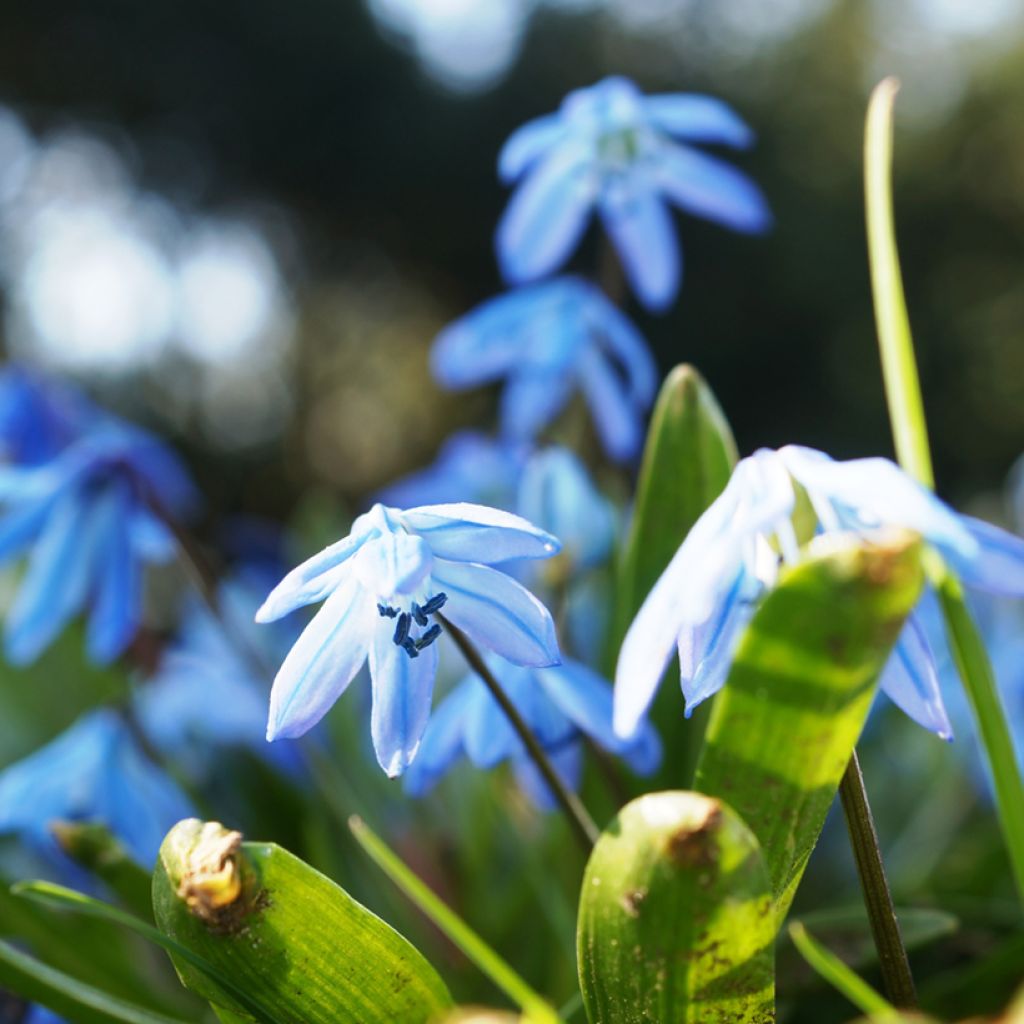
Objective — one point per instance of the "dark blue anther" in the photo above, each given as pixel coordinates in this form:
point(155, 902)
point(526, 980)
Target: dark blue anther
point(410, 648)
point(429, 637)
point(402, 629)
point(419, 614)
point(435, 604)
point(387, 611)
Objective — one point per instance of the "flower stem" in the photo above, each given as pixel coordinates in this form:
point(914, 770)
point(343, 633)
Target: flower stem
point(579, 818)
point(885, 929)
point(906, 412)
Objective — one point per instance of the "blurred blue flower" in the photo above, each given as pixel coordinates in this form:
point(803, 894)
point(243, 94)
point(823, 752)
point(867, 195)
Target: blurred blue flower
point(40, 1015)
point(560, 704)
point(546, 341)
point(89, 518)
point(93, 772)
point(469, 467)
point(382, 586)
point(206, 693)
point(557, 494)
point(611, 149)
point(707, 593)
point(39, 416)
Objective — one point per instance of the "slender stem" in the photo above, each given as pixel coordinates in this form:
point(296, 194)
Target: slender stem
point(906, 412)
point(885, 929)
point(583, 825)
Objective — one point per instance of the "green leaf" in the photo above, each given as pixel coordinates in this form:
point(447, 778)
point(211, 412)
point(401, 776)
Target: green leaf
point(846, 930)
point(48, 893)
point(297, 944)
point(837, 974)
point(784, 726)
point(687, 461)
point(78, 1002)
point(533, 1006)
point(676, 921)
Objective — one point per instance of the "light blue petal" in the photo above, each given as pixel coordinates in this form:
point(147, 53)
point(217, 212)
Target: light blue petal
point(489, 736)
point(690, 590)
point(392, 564)
point(617, 421)
point(999, 566)
point(324, 660)
point(402, 688)
point(877, 492)
point(546, 215)
point(442, 740)
point(644, 752)
point(117, 598)
point(556, 492)
point(60, 572)
point(151, 539)
point(313, 580)
point(568, 764)
point(627, 345)
point(527, 144)
point(641, 229)
point(706, 651)
point(462, 532)
point(710, 188)
point(910, 679)
point(531, 400)
point(696, 118)
point(497, 612)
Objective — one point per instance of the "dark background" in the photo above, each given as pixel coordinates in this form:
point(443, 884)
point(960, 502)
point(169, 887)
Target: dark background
point(379, 190)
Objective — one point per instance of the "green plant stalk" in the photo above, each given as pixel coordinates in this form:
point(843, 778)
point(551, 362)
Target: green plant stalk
point(840, 977)
point(885, 928)
point(579, 818)
point(534, 1007)
point(906, 413)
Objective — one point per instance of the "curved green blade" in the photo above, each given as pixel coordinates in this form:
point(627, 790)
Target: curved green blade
point(783, 728)
point(297, 944)
point(676, 921)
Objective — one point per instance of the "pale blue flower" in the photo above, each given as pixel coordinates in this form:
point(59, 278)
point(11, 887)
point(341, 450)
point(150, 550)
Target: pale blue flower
point(469, 467)
point(546, 341)
point(708, 592)
point(561, 705)
point(206, 692)
point(93, 772)
point(629, 157)
point(89, 519)
point(382, 588)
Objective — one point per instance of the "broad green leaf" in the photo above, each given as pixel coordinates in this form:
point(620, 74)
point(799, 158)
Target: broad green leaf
point(78, 1002)
point(297, 944)
point(676, 921)
point(687, 461)
point(783, 728)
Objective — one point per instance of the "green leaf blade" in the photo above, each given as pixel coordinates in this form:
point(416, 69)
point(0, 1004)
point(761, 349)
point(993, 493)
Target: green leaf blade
point(784, 727)
point(676, 922)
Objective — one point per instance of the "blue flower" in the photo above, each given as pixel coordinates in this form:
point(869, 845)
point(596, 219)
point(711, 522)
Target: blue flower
point(708, 591)
point(206, 693)
point(92, 772)
point(560, 704)
point(39, 416)
point(546, 341)
point(611, 149)
point(382, 587)
point(89, 518)
point(469, 467)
